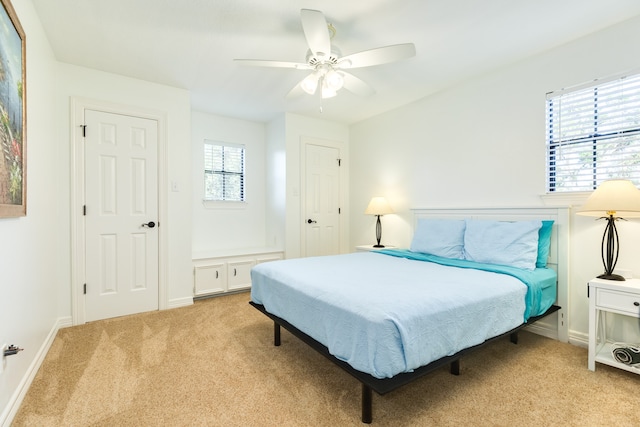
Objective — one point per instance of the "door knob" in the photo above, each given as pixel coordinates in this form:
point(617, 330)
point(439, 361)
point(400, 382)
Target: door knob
point(149, 224)
point(310, 221)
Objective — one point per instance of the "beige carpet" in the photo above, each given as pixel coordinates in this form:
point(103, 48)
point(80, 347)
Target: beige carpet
point(214, 364)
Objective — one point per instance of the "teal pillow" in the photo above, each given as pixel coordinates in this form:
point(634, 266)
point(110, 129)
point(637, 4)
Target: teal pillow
point(544, 241)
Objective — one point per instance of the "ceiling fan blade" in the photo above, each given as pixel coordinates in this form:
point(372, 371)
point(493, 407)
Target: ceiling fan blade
point(274, 64)
point(316, 32)
point(381, 55)
point(356, 85)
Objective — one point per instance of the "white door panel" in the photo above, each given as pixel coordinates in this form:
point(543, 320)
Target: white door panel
point(322, 200)
point(121, 198)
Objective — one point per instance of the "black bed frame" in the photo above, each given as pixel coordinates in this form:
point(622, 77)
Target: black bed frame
point(385, 385)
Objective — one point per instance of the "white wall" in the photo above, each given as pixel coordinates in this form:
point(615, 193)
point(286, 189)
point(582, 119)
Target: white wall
point(33, 268)
point(276, 180)
point(221, 226)
point(481, 143)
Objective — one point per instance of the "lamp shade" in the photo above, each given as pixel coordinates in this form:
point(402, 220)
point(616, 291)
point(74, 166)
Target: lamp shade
point(378, 206)
point(616, 197)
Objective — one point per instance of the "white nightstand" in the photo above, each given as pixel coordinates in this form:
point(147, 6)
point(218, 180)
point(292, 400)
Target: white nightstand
point(369, 248)
point(609, 296)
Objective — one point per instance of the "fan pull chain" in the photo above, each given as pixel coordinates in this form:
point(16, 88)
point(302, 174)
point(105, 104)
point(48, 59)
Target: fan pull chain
point(319, 90)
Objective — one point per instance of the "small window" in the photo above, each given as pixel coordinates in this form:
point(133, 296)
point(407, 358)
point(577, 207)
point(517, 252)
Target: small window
point(593, 134)
point(224, 172)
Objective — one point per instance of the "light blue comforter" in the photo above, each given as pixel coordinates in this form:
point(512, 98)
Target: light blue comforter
point(388, 314)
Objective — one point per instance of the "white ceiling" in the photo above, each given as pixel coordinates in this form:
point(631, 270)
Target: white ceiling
point(191, 44)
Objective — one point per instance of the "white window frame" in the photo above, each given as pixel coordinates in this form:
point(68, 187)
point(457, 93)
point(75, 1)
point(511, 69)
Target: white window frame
point(593, 134)
point(209, 199)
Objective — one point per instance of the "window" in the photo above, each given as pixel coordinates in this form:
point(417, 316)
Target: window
point(593, 134)
point(223, 172)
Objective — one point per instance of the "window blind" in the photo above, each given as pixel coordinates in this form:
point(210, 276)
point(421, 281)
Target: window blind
point(224, 171)
point(593, 134)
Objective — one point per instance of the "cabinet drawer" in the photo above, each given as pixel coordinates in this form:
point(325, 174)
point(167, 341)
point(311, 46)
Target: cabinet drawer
point(623, 302)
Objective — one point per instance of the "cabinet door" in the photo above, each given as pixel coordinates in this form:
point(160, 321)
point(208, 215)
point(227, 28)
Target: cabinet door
point(239, 273)
point(210, 279)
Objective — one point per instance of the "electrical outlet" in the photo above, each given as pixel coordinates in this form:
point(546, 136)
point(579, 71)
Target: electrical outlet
point(2, 357)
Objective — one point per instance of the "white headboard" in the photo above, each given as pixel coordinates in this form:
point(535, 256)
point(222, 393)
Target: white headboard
point(552, 326)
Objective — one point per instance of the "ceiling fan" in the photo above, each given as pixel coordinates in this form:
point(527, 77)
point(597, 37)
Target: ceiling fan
point(326, 63)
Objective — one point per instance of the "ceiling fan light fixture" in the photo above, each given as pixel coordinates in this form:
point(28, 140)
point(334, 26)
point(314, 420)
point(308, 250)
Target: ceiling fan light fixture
point(327, 91)
point(310, 83)
point(334, 80)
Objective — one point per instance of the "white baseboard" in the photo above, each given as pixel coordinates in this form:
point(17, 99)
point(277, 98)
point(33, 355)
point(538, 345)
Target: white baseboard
point(10, 411)
point(65, 322)
point(579, 339)
point(543, 330)
point(180, 302)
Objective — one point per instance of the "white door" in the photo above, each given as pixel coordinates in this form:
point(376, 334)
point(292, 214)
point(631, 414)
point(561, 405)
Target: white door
point(322, 200)
point(121, 220)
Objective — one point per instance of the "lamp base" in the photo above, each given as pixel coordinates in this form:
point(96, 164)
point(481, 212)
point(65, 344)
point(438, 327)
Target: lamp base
point(382, 246)
point(610, 249)
point(617, 277)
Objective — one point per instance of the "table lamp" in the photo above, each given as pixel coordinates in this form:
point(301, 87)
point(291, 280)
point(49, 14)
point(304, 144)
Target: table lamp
point(612, 200)
point(378, 206)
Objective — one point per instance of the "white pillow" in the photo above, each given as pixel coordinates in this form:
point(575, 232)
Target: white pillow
point(441, 237)
point(505, 243)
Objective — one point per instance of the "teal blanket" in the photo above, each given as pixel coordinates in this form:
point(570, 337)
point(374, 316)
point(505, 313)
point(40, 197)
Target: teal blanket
point(541, 283)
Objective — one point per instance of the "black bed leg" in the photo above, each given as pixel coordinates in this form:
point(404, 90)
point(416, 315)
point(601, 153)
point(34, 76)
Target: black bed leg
point(276, 334)
point(514, 337)
point(367, 411)
point(455, 367)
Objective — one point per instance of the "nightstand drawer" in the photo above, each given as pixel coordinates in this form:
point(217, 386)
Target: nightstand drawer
point(624, 302)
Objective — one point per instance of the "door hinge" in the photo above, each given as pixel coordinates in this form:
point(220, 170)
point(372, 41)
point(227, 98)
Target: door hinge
point(85, 289)
point(339, 162)
point(339, 211)
point(84, 130)
point(84, 210)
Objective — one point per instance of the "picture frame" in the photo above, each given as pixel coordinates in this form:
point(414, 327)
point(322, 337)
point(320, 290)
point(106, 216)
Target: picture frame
point(13, 114)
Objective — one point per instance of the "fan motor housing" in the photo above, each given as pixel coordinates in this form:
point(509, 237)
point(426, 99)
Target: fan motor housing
point(332, 59)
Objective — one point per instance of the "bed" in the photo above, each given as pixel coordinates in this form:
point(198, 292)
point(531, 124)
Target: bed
point(388, 317)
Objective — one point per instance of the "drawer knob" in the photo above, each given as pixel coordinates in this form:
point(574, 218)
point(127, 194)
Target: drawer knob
point(636, 303)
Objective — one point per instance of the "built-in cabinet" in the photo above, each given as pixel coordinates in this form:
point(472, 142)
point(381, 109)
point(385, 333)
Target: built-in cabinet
point(217, 273)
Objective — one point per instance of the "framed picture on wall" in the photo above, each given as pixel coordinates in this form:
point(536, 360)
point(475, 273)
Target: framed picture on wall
point(13, 114)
